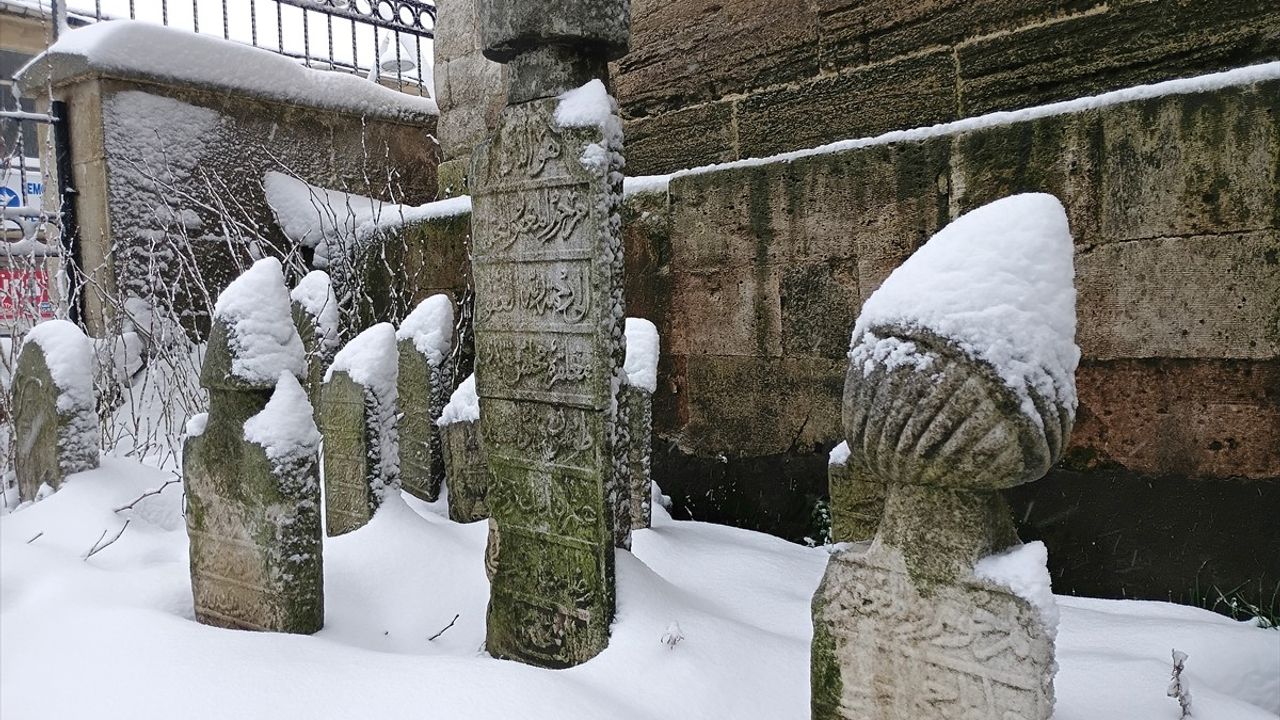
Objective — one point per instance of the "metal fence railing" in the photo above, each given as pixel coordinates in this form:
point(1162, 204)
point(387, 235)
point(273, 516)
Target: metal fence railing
point(387, 40)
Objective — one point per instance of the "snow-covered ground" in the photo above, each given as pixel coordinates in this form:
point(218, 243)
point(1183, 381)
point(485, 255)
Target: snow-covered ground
point(113, 636)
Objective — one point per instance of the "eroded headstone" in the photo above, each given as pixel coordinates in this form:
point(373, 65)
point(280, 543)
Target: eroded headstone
point(547, 263)
point(424, 340)
point(466, 472)
point(641, 367)
point(54, 415)
point(251, 468)
point(315, 314)
point(357, 417)
point(961, 383)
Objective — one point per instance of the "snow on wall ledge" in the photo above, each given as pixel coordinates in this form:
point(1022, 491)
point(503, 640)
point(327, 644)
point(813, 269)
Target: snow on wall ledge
point(129, 49)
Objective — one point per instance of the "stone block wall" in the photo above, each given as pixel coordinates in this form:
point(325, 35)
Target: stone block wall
point(754, 276)
point(709, 80)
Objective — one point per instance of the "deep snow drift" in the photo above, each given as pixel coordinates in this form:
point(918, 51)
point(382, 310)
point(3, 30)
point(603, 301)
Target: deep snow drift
point(114, 636)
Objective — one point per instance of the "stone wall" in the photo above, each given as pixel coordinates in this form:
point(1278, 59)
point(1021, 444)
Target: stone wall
point(755, 274)
point(714, 80)
point(169, 163)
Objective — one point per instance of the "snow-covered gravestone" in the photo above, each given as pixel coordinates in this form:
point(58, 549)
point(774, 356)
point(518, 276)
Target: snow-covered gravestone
point(466, 473)
point(358, 420)
point(641, 366)
point(251, 468)
point(961, 383)
point(547, 263)
point(54, 414)
point(315, 314)
point(424, 338)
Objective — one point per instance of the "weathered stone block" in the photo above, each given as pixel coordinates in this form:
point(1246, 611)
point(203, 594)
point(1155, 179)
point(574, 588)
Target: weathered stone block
point(684, 138)
point(690, 52)
point(737, 312)
point(854, 32)
point(1113, 48)
point(1170, 166)
point(55, 423)
point(787, 404)
point(1211, 297)
point(863, 102)
point(1169, 417)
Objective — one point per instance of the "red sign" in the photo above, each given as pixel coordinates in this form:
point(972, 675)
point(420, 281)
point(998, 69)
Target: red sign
point(24, 295)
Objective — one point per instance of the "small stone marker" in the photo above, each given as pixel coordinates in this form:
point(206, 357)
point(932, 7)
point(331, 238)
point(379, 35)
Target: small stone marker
point(466, 472)
point(547, 262)
point(641, 367)
point(54, 415)
point(250, 468)
point(315, 314)
point(856, 503)
point(425, 338)
point(358, 420)
point(961, 383)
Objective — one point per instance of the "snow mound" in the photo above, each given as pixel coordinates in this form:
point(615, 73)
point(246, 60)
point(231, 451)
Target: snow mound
point(739, 598)
point(641, 363)
point(333, 222)
point(132, 49)
point(430, 327)
point(998, 281)
point(285, 428)
point(68, 353)
point(315, 294)
point(370, 360)
point(1024, 570)
point(196, 425)
point(464, 404)
point(259, 317)
point(586, 106)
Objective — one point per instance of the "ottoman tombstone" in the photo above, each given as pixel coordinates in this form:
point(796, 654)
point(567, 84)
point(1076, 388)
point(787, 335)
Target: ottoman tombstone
point(251, 468)
point(547, 263)
point(54, 415)
point(424, 341)
point(358, 420)
point(960, 383)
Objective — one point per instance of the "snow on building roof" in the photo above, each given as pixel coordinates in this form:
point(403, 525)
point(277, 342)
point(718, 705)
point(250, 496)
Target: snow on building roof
point(127, 48)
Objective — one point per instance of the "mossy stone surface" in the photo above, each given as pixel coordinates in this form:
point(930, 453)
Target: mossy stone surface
point(351, 466)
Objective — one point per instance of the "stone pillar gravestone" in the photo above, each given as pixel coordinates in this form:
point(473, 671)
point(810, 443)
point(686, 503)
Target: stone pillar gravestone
point(251, 468)
point(315, 314)
point(357, 417)
point(466, 471)
point(638, 412)
point(961, 384)
point(641, 367)
point(424, 340)
point(55, 421)
point(856, 502)
point(547, 263)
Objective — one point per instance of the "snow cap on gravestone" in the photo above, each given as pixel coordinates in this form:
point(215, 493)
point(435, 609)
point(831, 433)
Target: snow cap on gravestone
point(972, 338)
point(253, 338)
